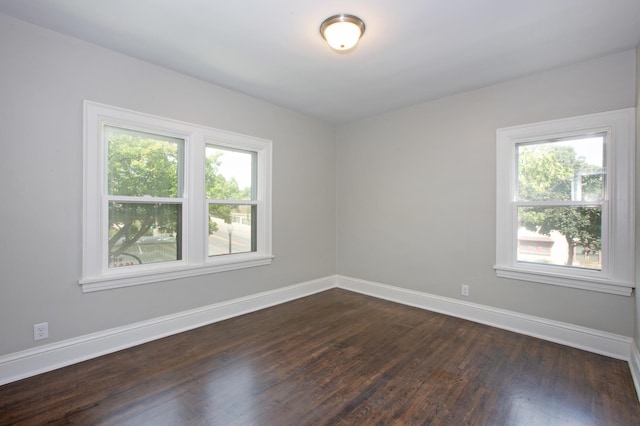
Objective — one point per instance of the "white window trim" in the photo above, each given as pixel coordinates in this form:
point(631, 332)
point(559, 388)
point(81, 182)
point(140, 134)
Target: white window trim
point(95, 272)
point(618, 272)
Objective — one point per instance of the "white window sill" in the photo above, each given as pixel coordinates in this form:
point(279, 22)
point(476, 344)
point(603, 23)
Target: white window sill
point(582, 282)
point(173, 273)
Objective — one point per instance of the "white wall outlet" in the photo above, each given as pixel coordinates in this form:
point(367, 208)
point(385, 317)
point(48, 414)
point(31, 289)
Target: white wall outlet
point(40, 331)
point(464, 290)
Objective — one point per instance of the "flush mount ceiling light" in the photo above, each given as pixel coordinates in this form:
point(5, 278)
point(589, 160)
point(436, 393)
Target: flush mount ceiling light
point(342, 32)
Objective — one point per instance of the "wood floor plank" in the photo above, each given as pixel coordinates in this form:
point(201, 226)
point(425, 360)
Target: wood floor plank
point(334, 358)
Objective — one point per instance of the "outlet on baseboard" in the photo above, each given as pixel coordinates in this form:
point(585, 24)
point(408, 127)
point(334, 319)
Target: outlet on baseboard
point(464, 290)
point(40, 331)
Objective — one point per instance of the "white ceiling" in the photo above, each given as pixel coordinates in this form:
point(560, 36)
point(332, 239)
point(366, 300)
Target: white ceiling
point(412, 51)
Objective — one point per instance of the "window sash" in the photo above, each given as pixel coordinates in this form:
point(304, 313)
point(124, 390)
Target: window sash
point(159, 135)
point(559, 142)
point(233, 228)
point(182, 226)
point(565, 269)
point(253, 167)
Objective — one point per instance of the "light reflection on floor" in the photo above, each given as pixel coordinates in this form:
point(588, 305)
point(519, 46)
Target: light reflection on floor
point(530, 407)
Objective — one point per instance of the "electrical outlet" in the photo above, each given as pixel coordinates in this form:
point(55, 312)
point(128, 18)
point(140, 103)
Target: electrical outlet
point(464, 290)
point(40, 331)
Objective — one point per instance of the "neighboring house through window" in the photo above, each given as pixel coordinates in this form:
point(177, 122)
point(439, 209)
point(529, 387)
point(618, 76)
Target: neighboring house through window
point(166, 199)
point(565, 211)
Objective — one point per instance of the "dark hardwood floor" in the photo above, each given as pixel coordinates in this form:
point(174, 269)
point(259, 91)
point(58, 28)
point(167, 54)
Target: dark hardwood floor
point(335, 358)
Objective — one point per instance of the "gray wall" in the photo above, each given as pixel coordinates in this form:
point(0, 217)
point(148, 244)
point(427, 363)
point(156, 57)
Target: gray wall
point(416, 194)
point(635, 293)
point(44, 79)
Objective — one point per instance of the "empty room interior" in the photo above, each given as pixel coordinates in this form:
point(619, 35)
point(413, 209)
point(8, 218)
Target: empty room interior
point(215, 213)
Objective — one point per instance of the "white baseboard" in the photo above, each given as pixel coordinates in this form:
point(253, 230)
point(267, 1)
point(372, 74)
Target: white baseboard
point(634, 365)
point(30, 362)
point(600, 342)
point(49, 357)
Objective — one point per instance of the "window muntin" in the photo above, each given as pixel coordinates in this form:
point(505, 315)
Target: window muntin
point(144, 224)
point(601, 194)
point(560, 193)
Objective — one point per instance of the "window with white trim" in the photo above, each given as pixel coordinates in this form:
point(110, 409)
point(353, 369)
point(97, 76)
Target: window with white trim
point(565, 202)
point(165, 199)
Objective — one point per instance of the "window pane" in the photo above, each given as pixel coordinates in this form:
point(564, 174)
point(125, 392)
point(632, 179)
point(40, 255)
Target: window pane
point(142, 163)
point(562, 170)
point(141, 233)
point(231, 229)
point(230, 174)
point(565, 236)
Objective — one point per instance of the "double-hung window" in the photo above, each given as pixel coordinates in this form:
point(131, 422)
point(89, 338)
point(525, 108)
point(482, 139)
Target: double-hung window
point(232, 203)
point(565, 202)
point(143, 197)
point(166, 199)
